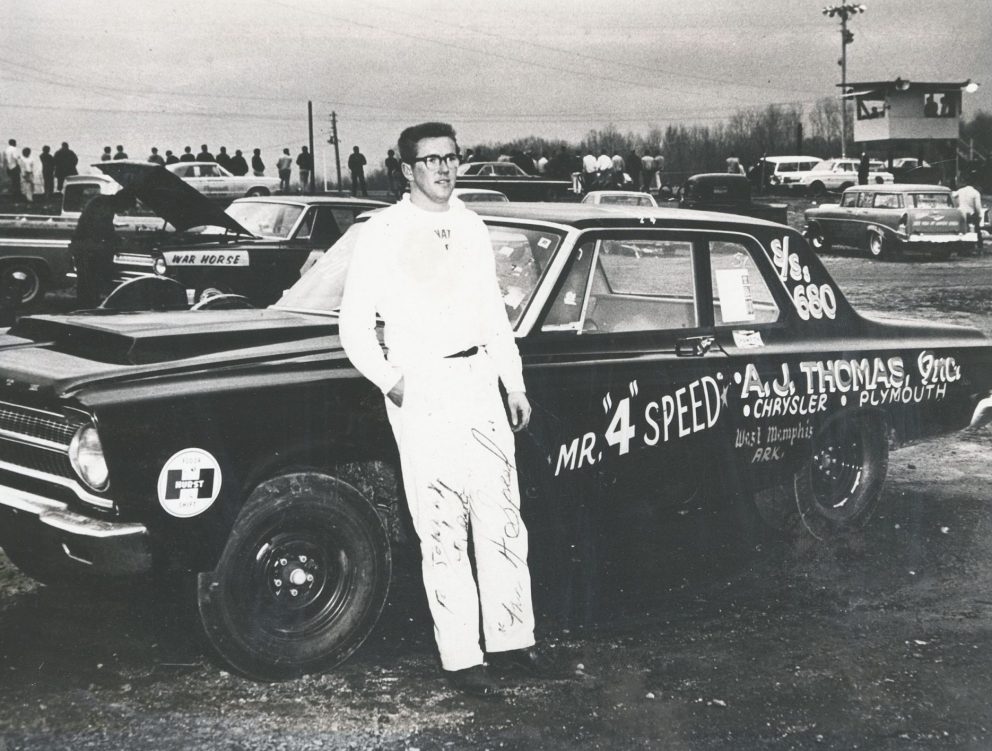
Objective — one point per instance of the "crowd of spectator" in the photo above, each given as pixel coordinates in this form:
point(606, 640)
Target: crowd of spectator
point(22, 168)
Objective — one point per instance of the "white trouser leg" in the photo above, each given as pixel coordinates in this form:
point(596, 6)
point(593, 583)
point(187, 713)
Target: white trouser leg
point(458, 468)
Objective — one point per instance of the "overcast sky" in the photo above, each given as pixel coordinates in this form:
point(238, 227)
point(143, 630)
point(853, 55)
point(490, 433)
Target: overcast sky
point(173, 73)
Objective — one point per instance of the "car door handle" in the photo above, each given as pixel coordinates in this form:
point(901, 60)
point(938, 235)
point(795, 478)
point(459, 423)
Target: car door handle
point(693, 346)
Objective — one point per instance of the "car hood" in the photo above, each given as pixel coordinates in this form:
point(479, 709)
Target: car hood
point(61, 354)
point(176, 201)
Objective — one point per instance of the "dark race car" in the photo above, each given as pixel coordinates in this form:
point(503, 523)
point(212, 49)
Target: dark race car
point(255, 248)
point(668, 354)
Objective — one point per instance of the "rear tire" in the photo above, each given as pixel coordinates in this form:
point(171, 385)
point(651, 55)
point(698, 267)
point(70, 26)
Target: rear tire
point(818, 239)
point(838, 487)
point(882, 248)
point(302, 579)
point(21, 284)
point(817, 189)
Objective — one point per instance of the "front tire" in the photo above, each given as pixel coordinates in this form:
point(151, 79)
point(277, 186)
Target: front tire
point(302, 579)
point(838, 487)
point(817, 189)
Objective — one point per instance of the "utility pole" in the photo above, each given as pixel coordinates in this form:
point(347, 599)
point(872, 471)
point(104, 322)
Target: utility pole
point(334, 140)
point(309, 187)
point(844, 11)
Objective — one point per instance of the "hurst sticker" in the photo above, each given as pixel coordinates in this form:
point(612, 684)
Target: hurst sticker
point(189, 483)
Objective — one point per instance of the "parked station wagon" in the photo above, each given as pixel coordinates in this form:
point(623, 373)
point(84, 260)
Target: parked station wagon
point(889, 220)
point(666, 353)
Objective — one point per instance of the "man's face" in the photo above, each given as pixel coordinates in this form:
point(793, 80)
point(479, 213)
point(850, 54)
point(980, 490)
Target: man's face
point(427, 184)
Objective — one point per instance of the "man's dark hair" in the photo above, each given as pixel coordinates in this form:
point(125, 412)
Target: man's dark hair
point(410, 137)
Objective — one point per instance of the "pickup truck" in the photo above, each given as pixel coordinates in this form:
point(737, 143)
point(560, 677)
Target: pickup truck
point(730, 194)
point(34, 248)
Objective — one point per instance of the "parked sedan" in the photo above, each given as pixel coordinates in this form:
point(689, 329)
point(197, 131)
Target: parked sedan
point(888, 220)
point(720, 364)
point(214, 181)
point(840, 174)
point(511, 180)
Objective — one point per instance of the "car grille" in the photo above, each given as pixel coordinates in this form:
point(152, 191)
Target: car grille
point(35, 439)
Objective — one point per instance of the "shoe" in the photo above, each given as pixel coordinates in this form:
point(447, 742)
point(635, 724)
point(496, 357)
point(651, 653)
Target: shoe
point(530, 661)
point(475, 681)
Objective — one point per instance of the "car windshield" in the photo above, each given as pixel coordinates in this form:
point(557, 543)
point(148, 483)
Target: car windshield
point(521, 254)
point(266, 219)
point(932, 200)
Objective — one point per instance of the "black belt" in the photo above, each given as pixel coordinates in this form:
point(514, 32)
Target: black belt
point(464, 353)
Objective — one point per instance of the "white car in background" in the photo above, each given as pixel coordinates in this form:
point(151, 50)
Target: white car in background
point(784, 172)
point(841, 174)
point(214, 181)
point(619, 198)
point(480, 195)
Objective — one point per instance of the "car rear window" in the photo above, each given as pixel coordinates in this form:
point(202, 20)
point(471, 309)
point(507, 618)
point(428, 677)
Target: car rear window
point(932, 200)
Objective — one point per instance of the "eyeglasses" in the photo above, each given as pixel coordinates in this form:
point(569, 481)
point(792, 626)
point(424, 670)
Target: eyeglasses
point(433, 161)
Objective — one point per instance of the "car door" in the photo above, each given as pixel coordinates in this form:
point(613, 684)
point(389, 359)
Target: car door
point(619, 369)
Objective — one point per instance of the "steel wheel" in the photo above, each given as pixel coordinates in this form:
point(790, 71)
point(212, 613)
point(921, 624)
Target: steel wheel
point(838, 487)
point(301, 581)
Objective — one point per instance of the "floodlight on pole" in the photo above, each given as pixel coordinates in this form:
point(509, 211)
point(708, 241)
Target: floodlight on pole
point(844, 11)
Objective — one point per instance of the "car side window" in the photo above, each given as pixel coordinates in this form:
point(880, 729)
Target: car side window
point(325, 230)
point(306, 226)
point(209, 170)
point(486, 171)
point(849, 199)
point(887, 201)
point(626, 284)
point(865, 200)
point(740, 293)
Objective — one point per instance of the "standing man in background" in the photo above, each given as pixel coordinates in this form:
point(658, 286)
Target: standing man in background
point(969, 202)
point(12, 165)
point(65, 164)
point(425, 265)
point(47, 170)
point(304, 162)
point(257, 165)
point(284, 166)
point(25, 164)
point(356, 165)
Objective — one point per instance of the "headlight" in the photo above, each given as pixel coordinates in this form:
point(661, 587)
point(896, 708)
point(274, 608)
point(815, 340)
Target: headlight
point(86, 457)
point(160, 266)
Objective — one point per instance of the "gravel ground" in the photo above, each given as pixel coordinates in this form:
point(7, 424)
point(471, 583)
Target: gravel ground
point(881, 642)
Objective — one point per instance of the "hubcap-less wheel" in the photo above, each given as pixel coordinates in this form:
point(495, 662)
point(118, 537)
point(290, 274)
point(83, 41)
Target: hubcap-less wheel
point(21, 282)
point(839, 486)
point(301, 581)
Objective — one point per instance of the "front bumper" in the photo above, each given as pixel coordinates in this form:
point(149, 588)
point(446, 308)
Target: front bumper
point(50, 530)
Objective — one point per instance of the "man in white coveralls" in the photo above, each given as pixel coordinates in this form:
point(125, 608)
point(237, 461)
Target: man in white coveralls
point(426, 266)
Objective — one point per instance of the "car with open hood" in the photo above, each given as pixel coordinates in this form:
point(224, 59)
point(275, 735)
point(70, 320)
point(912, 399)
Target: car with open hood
point(669, 355)
point(254, 248)
point(887, 221)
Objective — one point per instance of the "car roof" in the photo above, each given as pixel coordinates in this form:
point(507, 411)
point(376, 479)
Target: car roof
point(313, 201)
point(901, 188)
point(188, 164)
point(800, 158)
point(593, 214)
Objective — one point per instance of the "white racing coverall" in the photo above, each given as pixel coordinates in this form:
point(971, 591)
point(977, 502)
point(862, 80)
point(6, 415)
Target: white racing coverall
point(431, 277)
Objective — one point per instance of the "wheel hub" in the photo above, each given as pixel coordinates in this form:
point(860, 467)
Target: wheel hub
point(296, 576)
